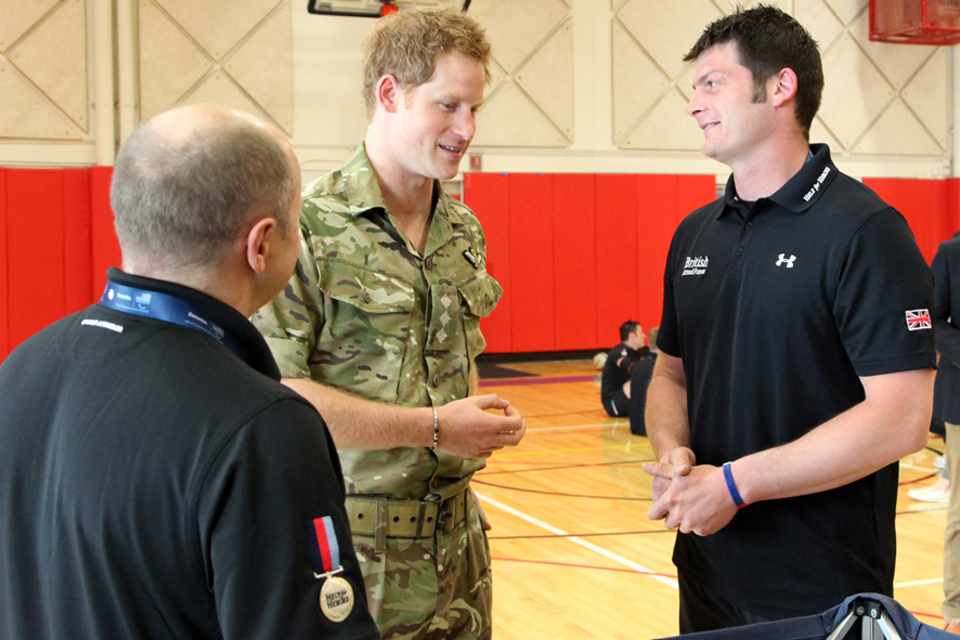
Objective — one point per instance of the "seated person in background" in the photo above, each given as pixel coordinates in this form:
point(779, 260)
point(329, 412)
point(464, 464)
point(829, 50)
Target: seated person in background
point(639, 381)
point(615, 380)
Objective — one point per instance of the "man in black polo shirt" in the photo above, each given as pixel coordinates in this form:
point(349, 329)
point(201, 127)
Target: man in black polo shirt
point(615, 379)
point(159, 481)
point(796, 345)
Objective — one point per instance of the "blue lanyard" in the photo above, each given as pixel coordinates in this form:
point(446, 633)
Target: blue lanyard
point(160, 306)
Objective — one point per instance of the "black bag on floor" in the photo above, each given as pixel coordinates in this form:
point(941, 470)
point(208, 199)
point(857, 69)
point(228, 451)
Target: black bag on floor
point(863, 616)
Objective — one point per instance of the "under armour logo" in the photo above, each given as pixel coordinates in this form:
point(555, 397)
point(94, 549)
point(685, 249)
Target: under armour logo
point(789, 261)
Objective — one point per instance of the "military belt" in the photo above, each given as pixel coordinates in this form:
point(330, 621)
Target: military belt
point(390, 518)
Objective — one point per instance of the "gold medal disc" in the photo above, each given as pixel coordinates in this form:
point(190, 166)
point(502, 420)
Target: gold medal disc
point(336, 599)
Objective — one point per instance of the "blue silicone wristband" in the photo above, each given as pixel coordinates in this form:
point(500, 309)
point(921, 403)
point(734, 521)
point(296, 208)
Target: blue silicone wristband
point(732, 486)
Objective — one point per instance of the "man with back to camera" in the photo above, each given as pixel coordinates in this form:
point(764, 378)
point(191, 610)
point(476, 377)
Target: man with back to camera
point(159, 481)
point(379, 329)
point(795, 345)
point(615, 379)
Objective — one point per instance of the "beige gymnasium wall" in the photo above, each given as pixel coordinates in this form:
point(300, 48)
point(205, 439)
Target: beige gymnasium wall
point(578, 85)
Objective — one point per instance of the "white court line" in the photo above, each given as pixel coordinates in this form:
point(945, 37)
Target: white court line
point(580, 541)
point(583, 426)
point(917, 583)
point(906, 465)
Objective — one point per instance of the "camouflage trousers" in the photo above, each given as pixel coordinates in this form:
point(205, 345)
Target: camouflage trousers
point(430, 588)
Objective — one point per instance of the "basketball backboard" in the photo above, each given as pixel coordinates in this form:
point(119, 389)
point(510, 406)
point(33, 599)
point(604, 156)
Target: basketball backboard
point(377, 8)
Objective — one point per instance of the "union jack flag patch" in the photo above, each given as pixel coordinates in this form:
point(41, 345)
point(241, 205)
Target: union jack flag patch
point(918, 319)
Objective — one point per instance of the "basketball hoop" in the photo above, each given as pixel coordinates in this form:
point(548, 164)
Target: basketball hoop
point(372, 8)
point(927, 22)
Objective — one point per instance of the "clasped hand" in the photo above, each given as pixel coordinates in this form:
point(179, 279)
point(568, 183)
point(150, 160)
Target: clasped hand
point(469, 431)
point(689, 497)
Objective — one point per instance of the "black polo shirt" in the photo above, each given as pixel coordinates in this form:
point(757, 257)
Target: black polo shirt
point(613, 377)
point(158, 486)
point(776, 315)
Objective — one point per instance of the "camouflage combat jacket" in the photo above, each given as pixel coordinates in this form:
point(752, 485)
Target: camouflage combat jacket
point(366, 313)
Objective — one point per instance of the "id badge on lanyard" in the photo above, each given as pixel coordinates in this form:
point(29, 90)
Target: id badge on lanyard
point(167, 308)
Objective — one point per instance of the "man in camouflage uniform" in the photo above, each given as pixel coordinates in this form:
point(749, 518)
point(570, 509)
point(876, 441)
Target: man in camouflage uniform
point(385, 306)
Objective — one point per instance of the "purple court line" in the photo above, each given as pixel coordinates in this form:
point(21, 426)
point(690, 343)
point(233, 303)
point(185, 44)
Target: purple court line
point(499, 382)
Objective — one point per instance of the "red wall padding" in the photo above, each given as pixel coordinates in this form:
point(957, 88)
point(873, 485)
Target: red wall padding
point(77, 249)
point(950, 220)
point(573, 231)
point(35, 250)
point(48, 253)
point(489, 194)
point(576, 253)
point(617, 296)
point(106, 249)
point(532, 295)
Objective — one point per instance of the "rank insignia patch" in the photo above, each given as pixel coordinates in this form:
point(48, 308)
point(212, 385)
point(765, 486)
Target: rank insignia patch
point(473, 258)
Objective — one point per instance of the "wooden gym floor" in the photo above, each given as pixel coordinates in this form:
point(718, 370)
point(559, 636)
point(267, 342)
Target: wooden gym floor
point(574, 555)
